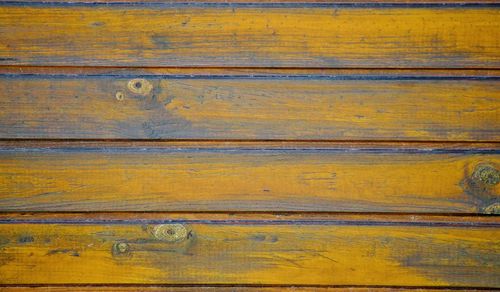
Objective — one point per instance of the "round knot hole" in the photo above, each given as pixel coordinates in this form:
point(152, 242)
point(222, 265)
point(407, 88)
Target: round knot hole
point(170, 232)
point(119, 96)
point(140, 86)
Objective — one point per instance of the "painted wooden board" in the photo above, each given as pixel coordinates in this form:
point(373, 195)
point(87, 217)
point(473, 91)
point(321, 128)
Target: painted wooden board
point(356, 106)
point(242, 176)
point(187, 288)
point(252, 249)
point(321, 35)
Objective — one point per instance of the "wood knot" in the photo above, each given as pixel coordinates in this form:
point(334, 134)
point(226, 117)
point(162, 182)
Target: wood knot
point(119, 96)
point(170, 232)
point(493, 209)
point(140, 86)
point(121, 248)
point(486, 174)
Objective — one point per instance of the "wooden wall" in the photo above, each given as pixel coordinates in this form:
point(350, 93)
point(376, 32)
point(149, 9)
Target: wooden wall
point(302, 145)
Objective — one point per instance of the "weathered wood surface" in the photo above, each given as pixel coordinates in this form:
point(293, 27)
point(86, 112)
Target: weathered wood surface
point(317, 35)
point(251, 249)
point(210, 176)
point(352, 106)
point(157, 288)
point(238, 72)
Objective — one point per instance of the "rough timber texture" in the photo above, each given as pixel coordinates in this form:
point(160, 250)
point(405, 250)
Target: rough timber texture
point(227, 106)
point(232, 35)
point(252, 249)
point(297, 145)
point(189, 176)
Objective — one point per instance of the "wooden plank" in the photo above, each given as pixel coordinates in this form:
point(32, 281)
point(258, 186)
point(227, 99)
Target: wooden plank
point(149, 288)
point(284, 250)
point(349, 106)
point(188, 176)
point(370, 35)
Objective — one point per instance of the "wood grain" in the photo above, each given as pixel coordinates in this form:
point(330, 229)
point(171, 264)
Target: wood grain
point(231, 35)
point(459, 253)
point(249, 106)
point(248, 217)
point(189, 176)
point(150, 288)
point(198, 72)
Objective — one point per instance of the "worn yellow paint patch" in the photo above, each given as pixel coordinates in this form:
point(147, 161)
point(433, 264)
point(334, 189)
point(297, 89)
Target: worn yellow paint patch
point(338, 109)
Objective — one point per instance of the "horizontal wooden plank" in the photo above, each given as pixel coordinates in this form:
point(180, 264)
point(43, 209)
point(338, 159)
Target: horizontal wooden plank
point(286, 250)
point(242, 176)
point(251, 106)
point(223, 34)
point(149, 288)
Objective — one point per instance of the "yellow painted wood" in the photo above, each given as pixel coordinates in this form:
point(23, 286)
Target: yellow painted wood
point(284, 36)
point(246, 177)
point(149, 288)
point(245, 107)
point(282, 251)
point(235, 72)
